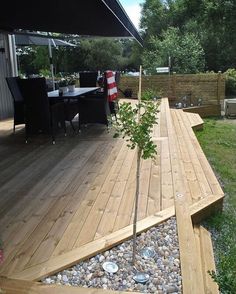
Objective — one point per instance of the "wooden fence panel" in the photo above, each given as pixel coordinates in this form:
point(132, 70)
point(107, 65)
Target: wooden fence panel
point(209, 87)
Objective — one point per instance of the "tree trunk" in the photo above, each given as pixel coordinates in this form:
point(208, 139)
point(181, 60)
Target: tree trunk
point(136, 205)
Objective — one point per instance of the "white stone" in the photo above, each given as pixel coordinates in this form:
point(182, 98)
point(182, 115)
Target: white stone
point(163, 268)
point(101, 258)
point(65, 278)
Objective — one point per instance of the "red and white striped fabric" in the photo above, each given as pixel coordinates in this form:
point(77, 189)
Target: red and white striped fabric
point(112, 92)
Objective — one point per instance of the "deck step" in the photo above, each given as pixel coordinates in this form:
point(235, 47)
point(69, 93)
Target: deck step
point(207, 262)
point(195, 120)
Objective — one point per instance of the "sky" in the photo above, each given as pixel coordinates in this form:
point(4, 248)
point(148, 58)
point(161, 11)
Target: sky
point(133, 9)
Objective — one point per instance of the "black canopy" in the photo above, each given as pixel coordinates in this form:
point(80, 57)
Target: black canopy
point(83, 17)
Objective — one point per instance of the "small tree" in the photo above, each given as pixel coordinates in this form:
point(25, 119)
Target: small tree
point(135, 123)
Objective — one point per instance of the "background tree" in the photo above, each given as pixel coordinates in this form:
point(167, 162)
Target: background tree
point(90, 54)
point(154, 18)
point(32, 58)
point(213, 22)
point(185, 50)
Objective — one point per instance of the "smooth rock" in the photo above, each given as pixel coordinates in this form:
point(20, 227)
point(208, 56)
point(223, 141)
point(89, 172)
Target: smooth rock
point(163, 269)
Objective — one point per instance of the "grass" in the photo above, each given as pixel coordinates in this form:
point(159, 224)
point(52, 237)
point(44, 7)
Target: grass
point(218, 141)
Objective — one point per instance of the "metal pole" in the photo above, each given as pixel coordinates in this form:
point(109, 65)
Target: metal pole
point(12, 54)
point(51, 63)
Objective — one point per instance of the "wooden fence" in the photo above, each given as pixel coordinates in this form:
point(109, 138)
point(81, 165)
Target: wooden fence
point(209, 87)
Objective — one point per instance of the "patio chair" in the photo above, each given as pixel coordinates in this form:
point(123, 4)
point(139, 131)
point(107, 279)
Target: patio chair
point(71, 108)
point(88, 79)
point(117, 78)
point(18, 101)
point(97, 108)
point(93, 109)
point(40, 115)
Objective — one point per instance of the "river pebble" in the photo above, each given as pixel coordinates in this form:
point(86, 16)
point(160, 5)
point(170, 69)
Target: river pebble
point(163, 268)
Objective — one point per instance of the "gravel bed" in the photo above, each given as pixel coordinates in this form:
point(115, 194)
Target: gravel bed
point(163, 268)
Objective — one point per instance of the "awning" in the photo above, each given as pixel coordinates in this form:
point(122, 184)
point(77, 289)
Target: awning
point(105, 18)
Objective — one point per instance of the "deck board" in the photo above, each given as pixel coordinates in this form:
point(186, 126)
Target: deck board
point(10, 286)
point(192, 280)
point(193, 172)
point(90, 226)
point(62, 203)
point(202, 173)
point(154, 199)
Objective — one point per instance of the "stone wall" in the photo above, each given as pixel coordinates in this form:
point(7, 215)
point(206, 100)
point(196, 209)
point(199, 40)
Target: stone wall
point(209, 87)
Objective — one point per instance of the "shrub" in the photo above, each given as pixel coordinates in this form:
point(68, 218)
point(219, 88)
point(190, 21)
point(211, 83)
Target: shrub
point(45, 73)
point(63, 82)
point(230, 81)
point(151, 94)
point(71, 80)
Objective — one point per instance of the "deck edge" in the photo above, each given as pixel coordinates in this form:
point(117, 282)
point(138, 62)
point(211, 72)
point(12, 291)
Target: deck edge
point(12, 286)
point(76, 255)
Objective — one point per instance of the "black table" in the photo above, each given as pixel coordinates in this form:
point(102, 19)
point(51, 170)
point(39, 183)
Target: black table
point(73, 95)
point(72, 101)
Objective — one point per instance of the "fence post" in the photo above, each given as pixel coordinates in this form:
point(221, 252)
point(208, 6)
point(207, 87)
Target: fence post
point(174, 84)
point(218, 86)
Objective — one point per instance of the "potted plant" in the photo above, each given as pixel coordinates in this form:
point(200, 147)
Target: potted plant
point(71, 83)
point(63, 85)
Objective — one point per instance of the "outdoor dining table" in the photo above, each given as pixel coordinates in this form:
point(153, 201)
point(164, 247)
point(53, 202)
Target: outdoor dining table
point(77, 93)
point(72, 100)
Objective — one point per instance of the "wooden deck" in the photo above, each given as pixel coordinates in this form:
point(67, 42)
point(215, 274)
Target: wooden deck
point(10, 286)
point(62, 203)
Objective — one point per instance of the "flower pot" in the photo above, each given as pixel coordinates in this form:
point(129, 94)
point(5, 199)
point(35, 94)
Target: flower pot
point(71, 88)
point(63, 89)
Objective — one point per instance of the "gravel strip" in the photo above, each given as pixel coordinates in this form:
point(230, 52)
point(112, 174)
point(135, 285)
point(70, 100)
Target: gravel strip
point(163, 268)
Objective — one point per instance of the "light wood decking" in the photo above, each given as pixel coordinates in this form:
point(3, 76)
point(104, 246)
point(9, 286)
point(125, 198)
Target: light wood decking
point(62, 203)
point(10, 286)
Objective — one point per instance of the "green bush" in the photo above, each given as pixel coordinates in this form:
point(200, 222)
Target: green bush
point(151, 94)
point(45, 73)
point(230, 82)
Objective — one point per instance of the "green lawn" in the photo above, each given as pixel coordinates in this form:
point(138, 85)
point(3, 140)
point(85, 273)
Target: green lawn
point(218, 140)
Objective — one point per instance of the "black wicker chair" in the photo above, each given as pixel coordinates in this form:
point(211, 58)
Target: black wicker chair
point(96, 108)
point(18, 101)
point(93, 109)
point(71, 107)
point(40, 115)
point(88, 79)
